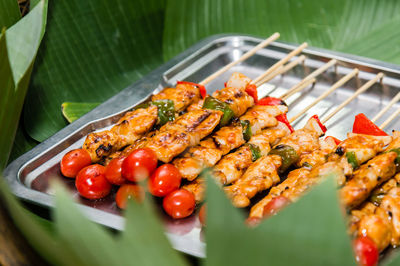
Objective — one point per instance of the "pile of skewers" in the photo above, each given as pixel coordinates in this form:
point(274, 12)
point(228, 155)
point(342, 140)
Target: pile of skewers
point(250, 147)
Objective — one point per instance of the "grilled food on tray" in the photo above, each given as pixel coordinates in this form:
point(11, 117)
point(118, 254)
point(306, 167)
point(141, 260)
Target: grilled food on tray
point(251, 149)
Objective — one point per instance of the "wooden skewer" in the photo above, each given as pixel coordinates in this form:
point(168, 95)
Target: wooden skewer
point(282, 69)
point(384, 110)
point(303, 85)
point(298, 87)
point(251, 52)
point(362, 89)
point(390, 119)
point(326, 93)
point(284, 60)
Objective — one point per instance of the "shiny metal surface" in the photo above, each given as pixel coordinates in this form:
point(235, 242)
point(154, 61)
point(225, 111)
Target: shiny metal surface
point(30, 174)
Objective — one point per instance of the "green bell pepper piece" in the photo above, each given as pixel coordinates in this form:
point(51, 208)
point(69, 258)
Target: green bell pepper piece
point(246, 129)
point(166, 111)
point(215, 104)
point(255, 151)
point(352, 159)
point(288, 154)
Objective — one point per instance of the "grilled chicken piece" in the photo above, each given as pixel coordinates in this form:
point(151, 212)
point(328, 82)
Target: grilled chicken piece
point(238, 80)
point(297, 182)
point(365, 147)
point(174, 137)
point(197, 187)
point(210, 151)
point(377, 228)
point(391, 205)
point(303, 141)
point(182, 95)
point(196, 106)
point(395, 144)
point(367, 177)
point(317, 157)
point(232, 166)
point(239, 101)
point(127, 130)
point(260, 175)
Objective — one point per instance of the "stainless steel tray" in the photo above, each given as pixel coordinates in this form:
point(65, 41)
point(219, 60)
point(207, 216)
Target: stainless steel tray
point(30, 174)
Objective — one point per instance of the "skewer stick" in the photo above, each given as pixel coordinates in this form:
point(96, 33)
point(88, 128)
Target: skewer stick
point(303, 85)
point(249, 53)
point(326, 93)
point(314, 74)
point(390, 119)
point(362, 89)
point(384, 110)
point(280, 62)
point(282, 69)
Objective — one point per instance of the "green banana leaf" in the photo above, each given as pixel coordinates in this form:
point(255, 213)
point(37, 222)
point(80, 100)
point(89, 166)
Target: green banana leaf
point(365, 27)
point(72, 111)
point(18, 48)
point(89, 58)
point(9, 13)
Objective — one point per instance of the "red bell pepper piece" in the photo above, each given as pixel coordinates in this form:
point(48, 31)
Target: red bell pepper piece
point(251, 90)
point(362, 125)
point(283, 118)
point(225, 84)
point(337, 141)
point(271, 101)
point(202, 89)
point(324, 129)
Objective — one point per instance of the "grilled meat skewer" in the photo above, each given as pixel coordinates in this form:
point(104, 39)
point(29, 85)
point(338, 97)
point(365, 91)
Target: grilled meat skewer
point(211, 150)
point(134, 124)
point(261, 141)
point(263, 173)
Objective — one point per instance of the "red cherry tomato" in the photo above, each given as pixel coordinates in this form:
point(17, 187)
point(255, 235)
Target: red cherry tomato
point(74, 161)
point(164, 180)
point(139, 165)
point(113, 171)
point(275, 205)
point(202, 215)
point(179, 204)
point(129, 191)
point(91, 182)
point(367, 253)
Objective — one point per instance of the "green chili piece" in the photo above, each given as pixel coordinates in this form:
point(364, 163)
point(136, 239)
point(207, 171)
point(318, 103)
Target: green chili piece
point(377, 196)
point(352, 159)
point(397, 150)
point(143, 105)
point(166, 111)
point(246, 129)
point(215, 104)
point(288, 154)
point(255, 151)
